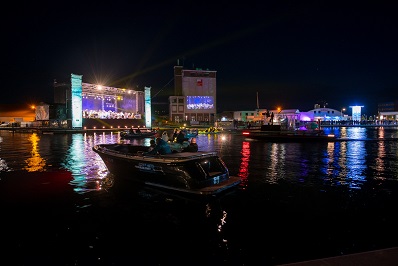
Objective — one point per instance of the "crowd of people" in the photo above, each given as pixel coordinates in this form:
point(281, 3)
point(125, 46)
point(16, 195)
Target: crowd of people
point(162, 143)
point(110, 114)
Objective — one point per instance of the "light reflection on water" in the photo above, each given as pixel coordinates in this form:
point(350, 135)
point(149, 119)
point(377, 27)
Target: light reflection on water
point(345, 163)
point(286, 188)
point(35, 163)
point(244, 166)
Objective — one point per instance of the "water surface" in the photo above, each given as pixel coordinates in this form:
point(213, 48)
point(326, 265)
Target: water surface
point(296, 202)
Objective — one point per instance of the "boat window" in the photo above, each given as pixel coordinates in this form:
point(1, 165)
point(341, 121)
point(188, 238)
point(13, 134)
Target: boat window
point(211, 166)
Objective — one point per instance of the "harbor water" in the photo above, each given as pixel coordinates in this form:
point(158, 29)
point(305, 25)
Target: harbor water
point(296, 202)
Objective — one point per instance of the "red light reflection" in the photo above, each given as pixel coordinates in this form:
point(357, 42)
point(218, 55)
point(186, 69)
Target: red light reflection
point(244, 165)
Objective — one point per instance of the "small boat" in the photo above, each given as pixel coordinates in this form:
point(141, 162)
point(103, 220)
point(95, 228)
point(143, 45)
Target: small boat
point(200, 173)
point(210, 130)
point(276, 134)
point(131, 134)
point(191, 134)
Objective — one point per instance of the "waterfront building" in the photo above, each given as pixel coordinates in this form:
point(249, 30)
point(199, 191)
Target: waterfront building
point(388, 112)
point(388, 117)
point(289, 118)
point(251, 116)
point(322, 114)
point(388, 106)
point(194, 99)
point(16, 114)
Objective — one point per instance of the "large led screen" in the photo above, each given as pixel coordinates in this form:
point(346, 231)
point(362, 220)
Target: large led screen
point(77, 112)
point(200, 102)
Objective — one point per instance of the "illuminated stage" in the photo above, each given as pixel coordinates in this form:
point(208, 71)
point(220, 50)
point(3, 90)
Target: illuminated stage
point(108, 107)
point(78, 105)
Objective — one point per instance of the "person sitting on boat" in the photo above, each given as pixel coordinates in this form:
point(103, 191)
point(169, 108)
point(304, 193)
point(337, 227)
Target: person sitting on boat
point(193, 146)
point(181, 137)
point(165, 136)
point(162, 147)
point(152, 144)
point(175, 134)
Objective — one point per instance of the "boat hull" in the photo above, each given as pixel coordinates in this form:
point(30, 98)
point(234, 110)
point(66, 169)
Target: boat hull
point(191, 172)
point(295, 136)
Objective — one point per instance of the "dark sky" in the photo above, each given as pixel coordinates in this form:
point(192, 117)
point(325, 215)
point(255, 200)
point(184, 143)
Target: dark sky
point(293, 53)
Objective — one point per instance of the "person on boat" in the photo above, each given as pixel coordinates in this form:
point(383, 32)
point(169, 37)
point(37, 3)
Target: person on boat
point(152, 144)
point(165, 136)
point(181, 137)
point(272, 118)
point(162, 147)
point(175, 134)
point(193, 146)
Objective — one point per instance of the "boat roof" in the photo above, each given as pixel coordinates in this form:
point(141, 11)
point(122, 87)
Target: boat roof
point(172, 157)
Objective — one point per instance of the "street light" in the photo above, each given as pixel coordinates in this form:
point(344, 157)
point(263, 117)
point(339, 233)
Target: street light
point(341, 113)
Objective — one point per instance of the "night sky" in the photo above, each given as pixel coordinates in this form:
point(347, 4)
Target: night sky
point(293, 53)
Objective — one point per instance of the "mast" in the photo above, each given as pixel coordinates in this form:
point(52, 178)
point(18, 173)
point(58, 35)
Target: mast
point(257, 102)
